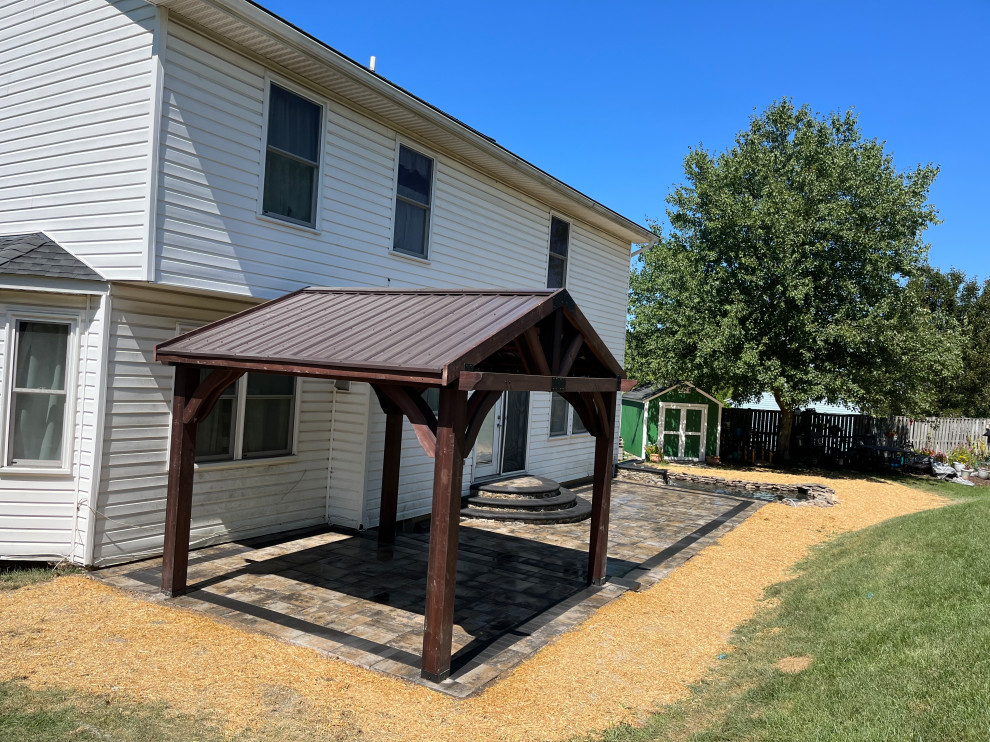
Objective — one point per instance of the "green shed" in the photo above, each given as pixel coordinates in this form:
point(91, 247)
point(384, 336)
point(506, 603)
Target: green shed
point(683, 420)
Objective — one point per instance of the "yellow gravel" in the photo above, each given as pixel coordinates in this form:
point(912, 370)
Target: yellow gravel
point(636, 653)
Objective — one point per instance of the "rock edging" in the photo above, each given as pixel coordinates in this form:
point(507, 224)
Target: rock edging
point(811, 493)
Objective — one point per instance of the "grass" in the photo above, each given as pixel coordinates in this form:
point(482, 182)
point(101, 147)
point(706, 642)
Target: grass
point(893, 623)
point(54, 715)
point(14, 575)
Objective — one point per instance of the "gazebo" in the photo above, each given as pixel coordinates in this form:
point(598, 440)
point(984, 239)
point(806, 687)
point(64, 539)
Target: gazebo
point(473, 345)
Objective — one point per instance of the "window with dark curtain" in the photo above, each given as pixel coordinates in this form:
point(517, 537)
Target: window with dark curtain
point(292, 159)
point(560, 233)
point(413, 195)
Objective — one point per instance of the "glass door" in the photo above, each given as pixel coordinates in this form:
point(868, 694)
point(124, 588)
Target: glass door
point(502, 443)
point(487, 455)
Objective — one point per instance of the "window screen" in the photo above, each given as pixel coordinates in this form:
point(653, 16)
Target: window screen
point(292, 159)
point(413, 195)
point(560, 232)
point(558, 414)
point(38, 396)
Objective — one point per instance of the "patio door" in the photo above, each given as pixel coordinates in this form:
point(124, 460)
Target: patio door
point(502, 442)
point(684, 428)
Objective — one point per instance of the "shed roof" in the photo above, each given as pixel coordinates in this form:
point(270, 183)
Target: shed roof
point(399, 335)
point(36, 254)
point(651, 391)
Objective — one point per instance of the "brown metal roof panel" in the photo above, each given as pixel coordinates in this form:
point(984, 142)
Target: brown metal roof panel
point(422, 330)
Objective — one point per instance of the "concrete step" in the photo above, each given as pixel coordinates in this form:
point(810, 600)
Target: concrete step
point(580, 510)
point(524, 486)
point(561, 501)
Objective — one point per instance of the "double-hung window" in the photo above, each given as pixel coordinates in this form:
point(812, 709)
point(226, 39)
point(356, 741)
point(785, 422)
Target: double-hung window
point(254, 418)
point(413, 201)
point(560, 234)
point(292, 157)
point(564, 419)
point(39, 394)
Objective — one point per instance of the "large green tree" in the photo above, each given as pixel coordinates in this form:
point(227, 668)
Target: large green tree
point(787, 270)
point(961, 302)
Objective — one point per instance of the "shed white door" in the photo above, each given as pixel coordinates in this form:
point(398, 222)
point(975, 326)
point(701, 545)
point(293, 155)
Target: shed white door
point(684, 428)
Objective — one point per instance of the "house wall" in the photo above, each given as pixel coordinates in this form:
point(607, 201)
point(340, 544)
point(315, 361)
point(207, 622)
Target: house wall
point(45, 516)
point(230, 499)
point(75, 127)
point(209, 234)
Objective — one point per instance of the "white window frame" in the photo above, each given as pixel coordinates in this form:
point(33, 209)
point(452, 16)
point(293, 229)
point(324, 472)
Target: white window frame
point(13, 317)
point(570, 432)
point(324, 108)
point(424, 152)
point(567, 258)
point(240, 399)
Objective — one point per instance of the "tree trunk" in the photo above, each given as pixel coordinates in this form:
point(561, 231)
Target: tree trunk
point(786, 429)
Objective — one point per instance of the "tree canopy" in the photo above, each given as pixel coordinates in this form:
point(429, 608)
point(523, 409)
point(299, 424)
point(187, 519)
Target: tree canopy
point(962, 303)
point(788, 270)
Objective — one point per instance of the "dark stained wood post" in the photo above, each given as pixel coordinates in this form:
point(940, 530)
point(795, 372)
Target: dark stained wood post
point(601, 492)
point(441, 574)
point(178, 505)
point(390, 478)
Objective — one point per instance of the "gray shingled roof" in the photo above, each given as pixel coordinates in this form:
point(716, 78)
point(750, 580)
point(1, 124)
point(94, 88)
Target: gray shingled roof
point(37, 255)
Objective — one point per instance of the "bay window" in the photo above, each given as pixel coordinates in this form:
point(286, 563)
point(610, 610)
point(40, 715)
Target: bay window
point(38, 394)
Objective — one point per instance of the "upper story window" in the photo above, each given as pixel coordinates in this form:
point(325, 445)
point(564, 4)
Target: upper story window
point(254, 418)
point(39, 394)
point(413, 200)
point(560, 235)
point(292, 158)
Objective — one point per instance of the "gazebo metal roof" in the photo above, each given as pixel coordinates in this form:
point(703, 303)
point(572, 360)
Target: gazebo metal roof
point(389, 335)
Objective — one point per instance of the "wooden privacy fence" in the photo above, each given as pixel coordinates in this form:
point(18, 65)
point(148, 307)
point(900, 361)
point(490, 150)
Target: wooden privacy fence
point(753, 436)
point(943, 433)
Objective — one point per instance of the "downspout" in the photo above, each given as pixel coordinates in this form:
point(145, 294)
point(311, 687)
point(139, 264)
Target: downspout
point(333, 427)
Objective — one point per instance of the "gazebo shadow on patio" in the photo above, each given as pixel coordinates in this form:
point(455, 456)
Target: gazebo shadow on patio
point(518, 586)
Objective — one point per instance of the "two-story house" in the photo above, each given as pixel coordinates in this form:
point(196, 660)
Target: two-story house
point(165, 164)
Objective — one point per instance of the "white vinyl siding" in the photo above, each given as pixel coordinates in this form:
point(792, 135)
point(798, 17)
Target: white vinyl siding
point(75, 127)
point(230, 499)
point(483, 235)
point(42, 515)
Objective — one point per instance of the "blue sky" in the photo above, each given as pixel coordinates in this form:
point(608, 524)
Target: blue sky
point(610, 102)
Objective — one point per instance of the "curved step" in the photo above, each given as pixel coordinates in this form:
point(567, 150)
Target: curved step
point(561, 501)
point(526, 486)
point(580, 511)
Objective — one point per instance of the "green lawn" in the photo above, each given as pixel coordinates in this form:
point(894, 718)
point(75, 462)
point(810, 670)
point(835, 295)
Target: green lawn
point(14, 575)
point(895, 621)
point(53, 716)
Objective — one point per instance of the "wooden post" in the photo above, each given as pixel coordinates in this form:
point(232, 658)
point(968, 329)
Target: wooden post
point(390, 478)
point(601, 492)
point(441, 574)
point(178, 505)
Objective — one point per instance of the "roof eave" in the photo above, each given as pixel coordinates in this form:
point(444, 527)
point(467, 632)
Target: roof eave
point(569, 199)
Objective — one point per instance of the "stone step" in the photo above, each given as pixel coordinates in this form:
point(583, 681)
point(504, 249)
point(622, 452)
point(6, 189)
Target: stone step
point(580, 510)
point(561, 501)
point(524, 486)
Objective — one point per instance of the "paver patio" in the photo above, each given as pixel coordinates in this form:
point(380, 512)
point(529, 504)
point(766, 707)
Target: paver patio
point(519, 586)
